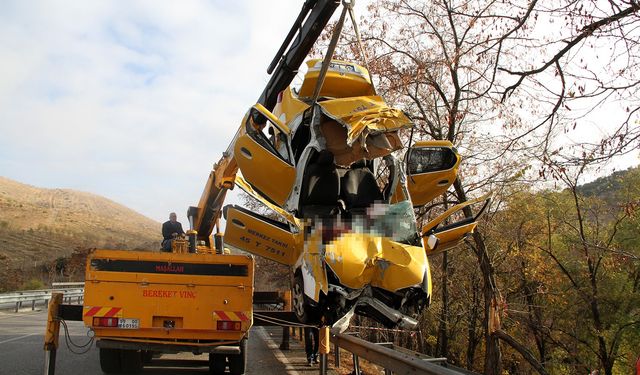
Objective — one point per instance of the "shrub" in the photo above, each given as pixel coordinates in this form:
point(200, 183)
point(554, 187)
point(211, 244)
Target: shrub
point(33, 284)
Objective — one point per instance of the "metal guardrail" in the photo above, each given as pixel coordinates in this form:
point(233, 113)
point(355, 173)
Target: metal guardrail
point(391, 358)
point(72, 292)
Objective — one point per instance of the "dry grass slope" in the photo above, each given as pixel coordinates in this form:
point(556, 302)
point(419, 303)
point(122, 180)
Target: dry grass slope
point(38, 225)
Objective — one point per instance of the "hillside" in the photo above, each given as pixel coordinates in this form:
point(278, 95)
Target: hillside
point(38, 226)
point(606, 187)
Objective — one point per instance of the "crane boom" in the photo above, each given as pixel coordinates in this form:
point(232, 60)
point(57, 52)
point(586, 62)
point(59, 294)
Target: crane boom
point(311, 20)
point(318, 13)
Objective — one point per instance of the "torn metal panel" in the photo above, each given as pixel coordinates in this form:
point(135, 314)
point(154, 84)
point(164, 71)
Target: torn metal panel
point(364, 115)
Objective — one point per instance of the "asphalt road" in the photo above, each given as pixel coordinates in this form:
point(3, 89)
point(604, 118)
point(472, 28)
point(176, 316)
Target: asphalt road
point(21, 351)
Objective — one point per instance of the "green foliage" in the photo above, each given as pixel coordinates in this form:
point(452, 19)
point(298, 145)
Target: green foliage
point(571, 273)
point(32, 284)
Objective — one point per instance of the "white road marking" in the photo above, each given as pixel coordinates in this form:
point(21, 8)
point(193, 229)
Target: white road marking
point(276, 351)
point(18, 338)
point(4, 316)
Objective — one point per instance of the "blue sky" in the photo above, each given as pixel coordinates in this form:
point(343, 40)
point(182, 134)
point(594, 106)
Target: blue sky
point(134, 101)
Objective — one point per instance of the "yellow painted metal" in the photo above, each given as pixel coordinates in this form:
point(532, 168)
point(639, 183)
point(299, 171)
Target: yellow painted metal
point(189, 300)
point(433, 143)
point(102, 311)
point(271, 117)
point(242, 184)
point(180, 245)
point(359, 259)
point(452, 237)
point(324, 342)
point(261, 236)
point(424, 187)
point(364, 115)
point(264, 170)
point(343, 79)
point(314, 262)
point(52, 331)
point(448, 213)
point(289, 107)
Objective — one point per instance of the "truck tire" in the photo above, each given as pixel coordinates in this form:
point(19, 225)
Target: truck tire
point(110, 362)
point(217, 364)
point(301, 306)
point(131, 361)
point(147, 357)
point(238, 362)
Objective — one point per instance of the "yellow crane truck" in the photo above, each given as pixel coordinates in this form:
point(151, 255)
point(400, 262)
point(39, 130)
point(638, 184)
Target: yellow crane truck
point(140, 302)
point(350, 238)
point(197, 298)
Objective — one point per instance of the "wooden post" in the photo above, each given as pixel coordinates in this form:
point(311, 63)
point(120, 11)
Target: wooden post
point(51, 334)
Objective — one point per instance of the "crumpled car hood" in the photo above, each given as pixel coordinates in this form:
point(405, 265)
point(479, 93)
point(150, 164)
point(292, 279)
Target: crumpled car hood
point(364, 115)
point(360, 259)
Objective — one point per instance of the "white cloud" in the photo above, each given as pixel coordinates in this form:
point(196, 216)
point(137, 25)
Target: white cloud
point(131, 100)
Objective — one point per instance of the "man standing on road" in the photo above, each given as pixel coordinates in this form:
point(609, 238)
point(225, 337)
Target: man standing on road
point(170, 230)
point(311, 341)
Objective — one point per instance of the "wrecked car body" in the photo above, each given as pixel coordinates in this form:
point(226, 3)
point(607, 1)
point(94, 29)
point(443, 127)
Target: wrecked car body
point(343, 189)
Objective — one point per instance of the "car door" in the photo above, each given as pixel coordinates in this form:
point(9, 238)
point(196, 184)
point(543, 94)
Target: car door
point(444, 233)
point(260, 235)
point(263, 154)
point(431, 167)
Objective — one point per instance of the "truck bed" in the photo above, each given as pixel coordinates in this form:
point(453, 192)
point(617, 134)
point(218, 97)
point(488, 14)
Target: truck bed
point(168, 297)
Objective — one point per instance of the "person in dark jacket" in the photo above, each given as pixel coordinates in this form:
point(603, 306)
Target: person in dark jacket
point(170, 229)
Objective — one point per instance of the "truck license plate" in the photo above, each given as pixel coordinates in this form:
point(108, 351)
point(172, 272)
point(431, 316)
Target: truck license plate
point(129, 323)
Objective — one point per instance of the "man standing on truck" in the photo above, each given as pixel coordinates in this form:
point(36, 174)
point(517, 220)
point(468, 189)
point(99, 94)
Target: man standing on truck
point(170, 230)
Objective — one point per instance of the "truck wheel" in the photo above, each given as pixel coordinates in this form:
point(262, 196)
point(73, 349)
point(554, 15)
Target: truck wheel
point(131, 361)
point(217, 364)
point(110, 362)
point(301, 307)
point(238, 362)
point(147, 357)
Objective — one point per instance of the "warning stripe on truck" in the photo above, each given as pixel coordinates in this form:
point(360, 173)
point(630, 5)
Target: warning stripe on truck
point(103, 312)
point(243, 316)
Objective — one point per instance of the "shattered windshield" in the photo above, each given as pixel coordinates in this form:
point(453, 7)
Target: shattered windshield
point(396, 221)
